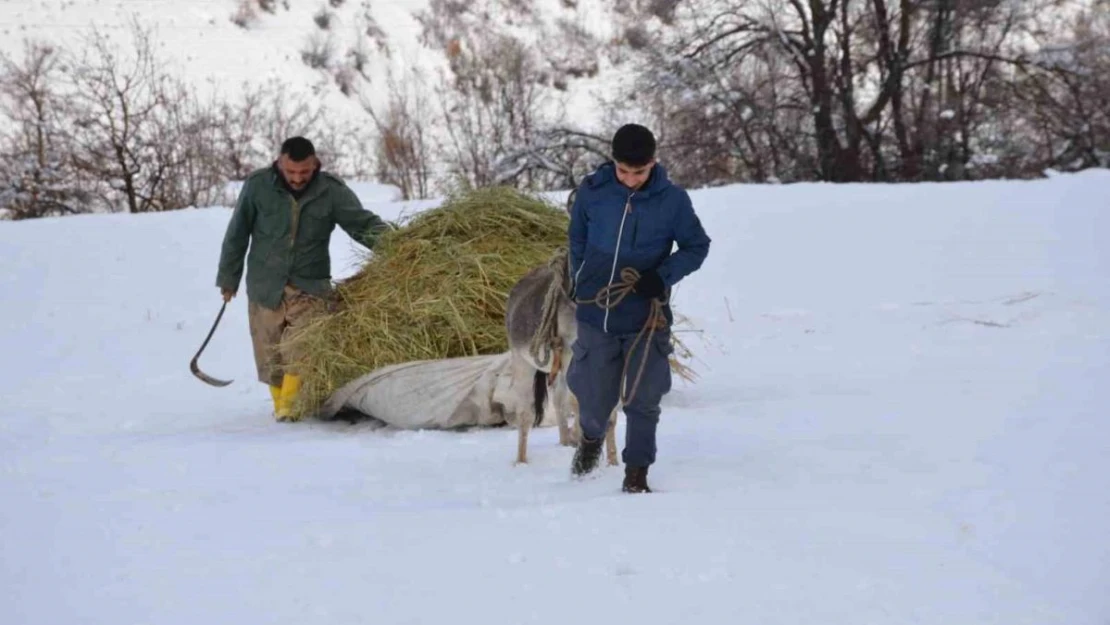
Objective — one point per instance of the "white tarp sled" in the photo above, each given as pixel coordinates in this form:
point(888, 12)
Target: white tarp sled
point(431, 394)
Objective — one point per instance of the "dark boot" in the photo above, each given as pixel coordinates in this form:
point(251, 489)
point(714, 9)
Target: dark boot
point(586, 456)
point(635, 480)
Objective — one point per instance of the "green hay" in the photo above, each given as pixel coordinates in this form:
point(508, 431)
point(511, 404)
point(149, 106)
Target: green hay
point(435, 288)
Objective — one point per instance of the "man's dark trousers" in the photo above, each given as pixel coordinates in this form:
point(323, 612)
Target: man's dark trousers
point(594, 376)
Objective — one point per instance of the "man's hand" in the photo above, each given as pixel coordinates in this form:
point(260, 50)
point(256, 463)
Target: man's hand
point(228, 294)
point(650, 285)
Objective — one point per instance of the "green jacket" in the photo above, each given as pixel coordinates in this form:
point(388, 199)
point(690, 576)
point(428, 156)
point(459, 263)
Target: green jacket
point(288, 237)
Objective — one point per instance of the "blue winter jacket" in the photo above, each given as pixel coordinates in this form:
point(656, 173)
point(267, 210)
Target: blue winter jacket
point(613, 227)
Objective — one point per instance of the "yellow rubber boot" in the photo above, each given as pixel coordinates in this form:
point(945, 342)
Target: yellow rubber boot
point(290, 386)
point(275, 392)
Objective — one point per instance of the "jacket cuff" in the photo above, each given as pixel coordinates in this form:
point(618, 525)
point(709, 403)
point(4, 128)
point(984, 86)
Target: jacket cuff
point(224, 283)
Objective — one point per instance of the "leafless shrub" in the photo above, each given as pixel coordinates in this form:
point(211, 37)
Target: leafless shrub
point(498, 103)
point(323, 18)
point(663, 9)
point(358, 58)
point(403, 145)
point(345, 78)
point(318, 51)
point(245, 14)
point(575, 54)
point(489, 105)
point(637, 37)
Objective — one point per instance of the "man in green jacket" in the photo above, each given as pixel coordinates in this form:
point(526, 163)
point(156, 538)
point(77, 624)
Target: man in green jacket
point(286, 213)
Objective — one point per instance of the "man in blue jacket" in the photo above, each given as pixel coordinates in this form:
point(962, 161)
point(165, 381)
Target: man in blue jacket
point(626, 218)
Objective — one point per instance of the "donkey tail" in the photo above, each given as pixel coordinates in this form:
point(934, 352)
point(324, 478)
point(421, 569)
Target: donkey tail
point(539, 395)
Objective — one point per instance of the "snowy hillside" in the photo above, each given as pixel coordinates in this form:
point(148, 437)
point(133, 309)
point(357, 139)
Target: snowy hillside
point(218, 45)
point(901, 418)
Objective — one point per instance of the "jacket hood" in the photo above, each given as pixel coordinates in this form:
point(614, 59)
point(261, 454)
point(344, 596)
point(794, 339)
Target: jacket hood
point(607, 174)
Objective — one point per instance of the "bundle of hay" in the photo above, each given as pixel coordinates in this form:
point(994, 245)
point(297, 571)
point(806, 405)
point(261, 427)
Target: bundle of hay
point(434, 288)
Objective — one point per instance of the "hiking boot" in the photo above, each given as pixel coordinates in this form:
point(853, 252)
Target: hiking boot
point(586, 456)
point(635, 480)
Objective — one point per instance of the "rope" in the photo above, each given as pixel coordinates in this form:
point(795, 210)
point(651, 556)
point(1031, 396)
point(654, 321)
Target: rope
point(612, 295)
point(546, 339)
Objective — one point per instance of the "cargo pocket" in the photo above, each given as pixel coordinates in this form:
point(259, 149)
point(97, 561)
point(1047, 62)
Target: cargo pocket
point(578, 351)
point(577, 368)
point(316, 221)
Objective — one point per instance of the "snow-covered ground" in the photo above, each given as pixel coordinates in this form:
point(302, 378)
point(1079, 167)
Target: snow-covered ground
point(901, 418)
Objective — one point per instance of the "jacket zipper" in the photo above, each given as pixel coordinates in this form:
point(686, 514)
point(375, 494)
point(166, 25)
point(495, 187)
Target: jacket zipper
point(616, 253)
point(295, 218)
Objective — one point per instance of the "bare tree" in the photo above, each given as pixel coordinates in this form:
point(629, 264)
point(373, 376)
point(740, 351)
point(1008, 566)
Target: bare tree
point(238, 136)
point(36, 172)
point(839, 90)
point(109, 127)
point(556, 157)
point(255, 121)
point(1064, 100)
point(501, 100)
point(403, 145)
point(185, 146)
point(117, 95)
point(490, 104)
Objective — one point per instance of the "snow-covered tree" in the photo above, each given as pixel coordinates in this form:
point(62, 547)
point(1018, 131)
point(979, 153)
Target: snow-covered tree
point(37, 177)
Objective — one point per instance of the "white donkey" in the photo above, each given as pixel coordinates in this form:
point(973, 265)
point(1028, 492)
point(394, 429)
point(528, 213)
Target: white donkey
point(539, 319)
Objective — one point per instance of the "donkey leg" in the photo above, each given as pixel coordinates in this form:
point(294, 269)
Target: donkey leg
point(611, 439)
point(576, 426)
point(522, 441)
point(561, 398)
point(564, 428)
point(522, 391)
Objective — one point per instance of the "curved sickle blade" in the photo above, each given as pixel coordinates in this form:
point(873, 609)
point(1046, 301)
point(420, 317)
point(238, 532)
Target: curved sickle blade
point(202, 376)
